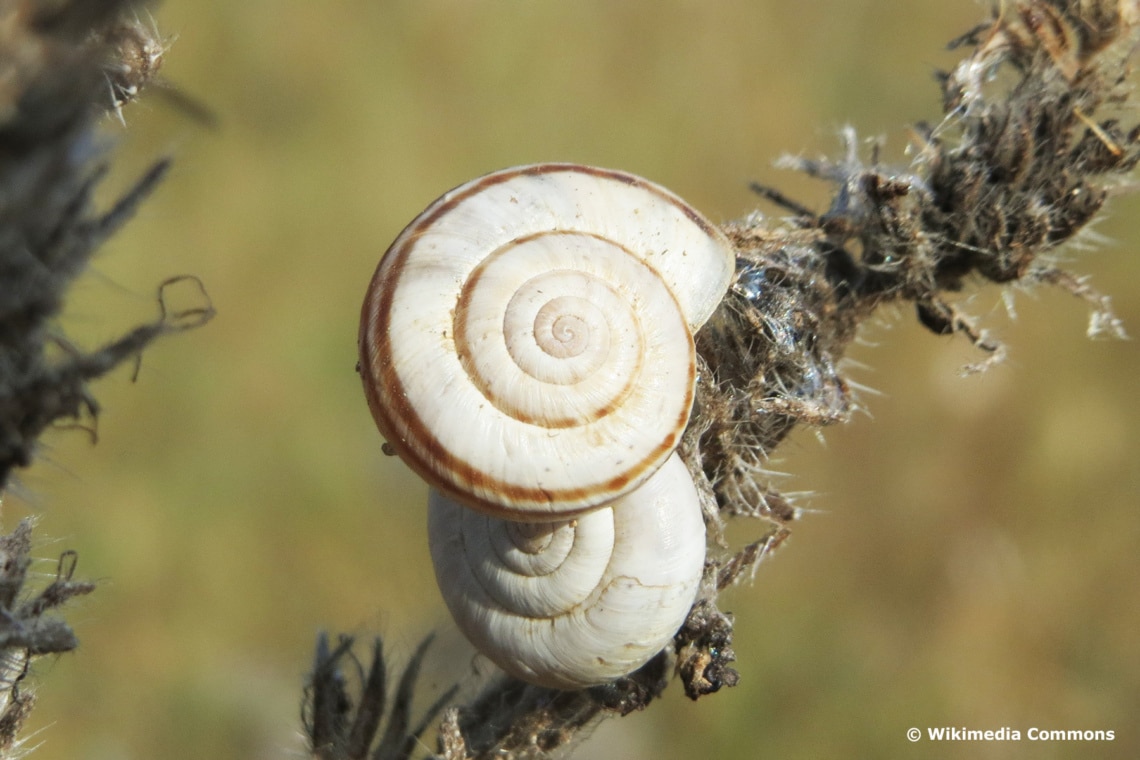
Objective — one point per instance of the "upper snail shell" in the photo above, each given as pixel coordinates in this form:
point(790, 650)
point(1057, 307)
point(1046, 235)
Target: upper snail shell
point(526, 342)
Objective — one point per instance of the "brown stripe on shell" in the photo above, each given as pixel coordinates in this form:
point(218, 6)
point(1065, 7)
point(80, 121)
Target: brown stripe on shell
point(402, 427)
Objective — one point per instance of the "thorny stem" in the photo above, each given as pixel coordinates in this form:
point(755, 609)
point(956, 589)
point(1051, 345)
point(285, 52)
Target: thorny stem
point(65, 66)
point(1008, 175)
point(57, 57)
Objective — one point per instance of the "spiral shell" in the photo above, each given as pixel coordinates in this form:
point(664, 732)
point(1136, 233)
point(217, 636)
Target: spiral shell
point(526, 342)
point(574, 603)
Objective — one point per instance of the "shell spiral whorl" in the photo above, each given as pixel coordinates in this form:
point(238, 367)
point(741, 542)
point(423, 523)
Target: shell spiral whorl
point(574, 603)
point(526, 342)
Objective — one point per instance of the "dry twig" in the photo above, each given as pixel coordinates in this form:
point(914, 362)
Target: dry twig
point(1016, 167)
point(64, 66)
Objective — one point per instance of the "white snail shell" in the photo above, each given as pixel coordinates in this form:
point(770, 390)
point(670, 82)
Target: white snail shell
point(575, 603)
point(526, 342)
point(526, 345)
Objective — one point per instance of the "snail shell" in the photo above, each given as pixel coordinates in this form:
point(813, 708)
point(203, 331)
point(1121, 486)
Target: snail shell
point(526, 342)
point(574, 603)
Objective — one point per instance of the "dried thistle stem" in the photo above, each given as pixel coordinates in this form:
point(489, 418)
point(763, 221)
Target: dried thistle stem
point(1009, 174)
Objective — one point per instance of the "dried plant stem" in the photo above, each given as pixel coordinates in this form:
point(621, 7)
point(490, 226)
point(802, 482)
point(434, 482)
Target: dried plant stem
point(1011, 172)
point(64, 66)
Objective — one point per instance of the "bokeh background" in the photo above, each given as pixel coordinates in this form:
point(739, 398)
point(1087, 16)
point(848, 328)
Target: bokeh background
point(971, 558)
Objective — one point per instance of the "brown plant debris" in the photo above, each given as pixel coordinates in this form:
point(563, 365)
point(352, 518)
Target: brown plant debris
point(1036, 134)
point(510, 718)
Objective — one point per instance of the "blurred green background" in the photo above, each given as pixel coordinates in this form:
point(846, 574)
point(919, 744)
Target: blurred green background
point(972, 560)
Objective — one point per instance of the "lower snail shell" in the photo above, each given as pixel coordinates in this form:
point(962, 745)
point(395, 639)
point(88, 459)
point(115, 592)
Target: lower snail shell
point(575, 603)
